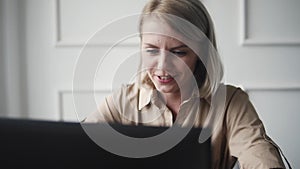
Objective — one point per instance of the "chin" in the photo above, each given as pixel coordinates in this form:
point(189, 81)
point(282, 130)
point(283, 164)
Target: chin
point(166, 89)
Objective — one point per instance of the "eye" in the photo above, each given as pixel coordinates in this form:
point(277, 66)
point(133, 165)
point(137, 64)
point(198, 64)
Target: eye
point(179, 53)
point(152, 51)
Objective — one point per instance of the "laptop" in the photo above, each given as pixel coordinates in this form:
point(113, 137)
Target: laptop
point(45, 144)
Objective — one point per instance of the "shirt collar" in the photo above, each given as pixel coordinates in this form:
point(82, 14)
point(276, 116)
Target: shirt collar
point(145, 96)
point(147, 93)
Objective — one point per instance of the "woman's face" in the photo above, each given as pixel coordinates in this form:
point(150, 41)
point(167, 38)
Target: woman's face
point(169, 63)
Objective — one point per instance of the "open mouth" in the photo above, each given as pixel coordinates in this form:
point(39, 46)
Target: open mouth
point(165, 79)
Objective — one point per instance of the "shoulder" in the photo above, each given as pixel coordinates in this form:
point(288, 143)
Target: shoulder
point(235, 94)
point(236, 100)
point(239, 105)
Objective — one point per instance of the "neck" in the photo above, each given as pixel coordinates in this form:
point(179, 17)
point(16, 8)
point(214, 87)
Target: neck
point(173, 101)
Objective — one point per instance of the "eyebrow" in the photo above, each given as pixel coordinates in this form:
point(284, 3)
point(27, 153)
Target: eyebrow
point(176, 47)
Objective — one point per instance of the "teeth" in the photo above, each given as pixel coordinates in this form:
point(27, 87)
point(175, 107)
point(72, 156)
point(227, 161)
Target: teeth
point(165, 77)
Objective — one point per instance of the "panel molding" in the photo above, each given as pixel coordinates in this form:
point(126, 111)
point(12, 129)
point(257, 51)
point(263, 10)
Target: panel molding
point(60, 42)
point(60, 101)
point(56, 23)
point(272, 87)
point(247, 41)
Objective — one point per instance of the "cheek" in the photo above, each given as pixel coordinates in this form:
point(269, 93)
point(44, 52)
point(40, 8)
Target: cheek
point(188, 65)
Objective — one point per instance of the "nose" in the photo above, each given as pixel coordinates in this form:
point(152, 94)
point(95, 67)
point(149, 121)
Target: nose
point(164, 60)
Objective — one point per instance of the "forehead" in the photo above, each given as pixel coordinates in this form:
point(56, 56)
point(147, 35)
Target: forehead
point(157, 39)
point(160, 27)
point(158, 32)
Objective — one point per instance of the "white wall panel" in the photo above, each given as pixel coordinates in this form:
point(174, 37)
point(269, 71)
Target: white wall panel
point(86, 103)
point(252, 65)
point(101, 65)
point(78, 20)
point(271, 22)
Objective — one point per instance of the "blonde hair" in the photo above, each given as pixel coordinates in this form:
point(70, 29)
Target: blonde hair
point(209, 71)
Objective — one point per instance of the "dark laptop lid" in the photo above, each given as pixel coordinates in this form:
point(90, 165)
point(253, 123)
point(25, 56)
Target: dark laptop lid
point(43, 144)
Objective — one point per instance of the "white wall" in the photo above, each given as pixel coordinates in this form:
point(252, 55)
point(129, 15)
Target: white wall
point(41, 39)
point(3, 110)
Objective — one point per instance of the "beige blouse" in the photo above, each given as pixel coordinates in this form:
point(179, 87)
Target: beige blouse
point(238, 133)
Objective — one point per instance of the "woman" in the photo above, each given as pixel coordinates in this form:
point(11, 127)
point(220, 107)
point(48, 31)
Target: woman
point(180, 74)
